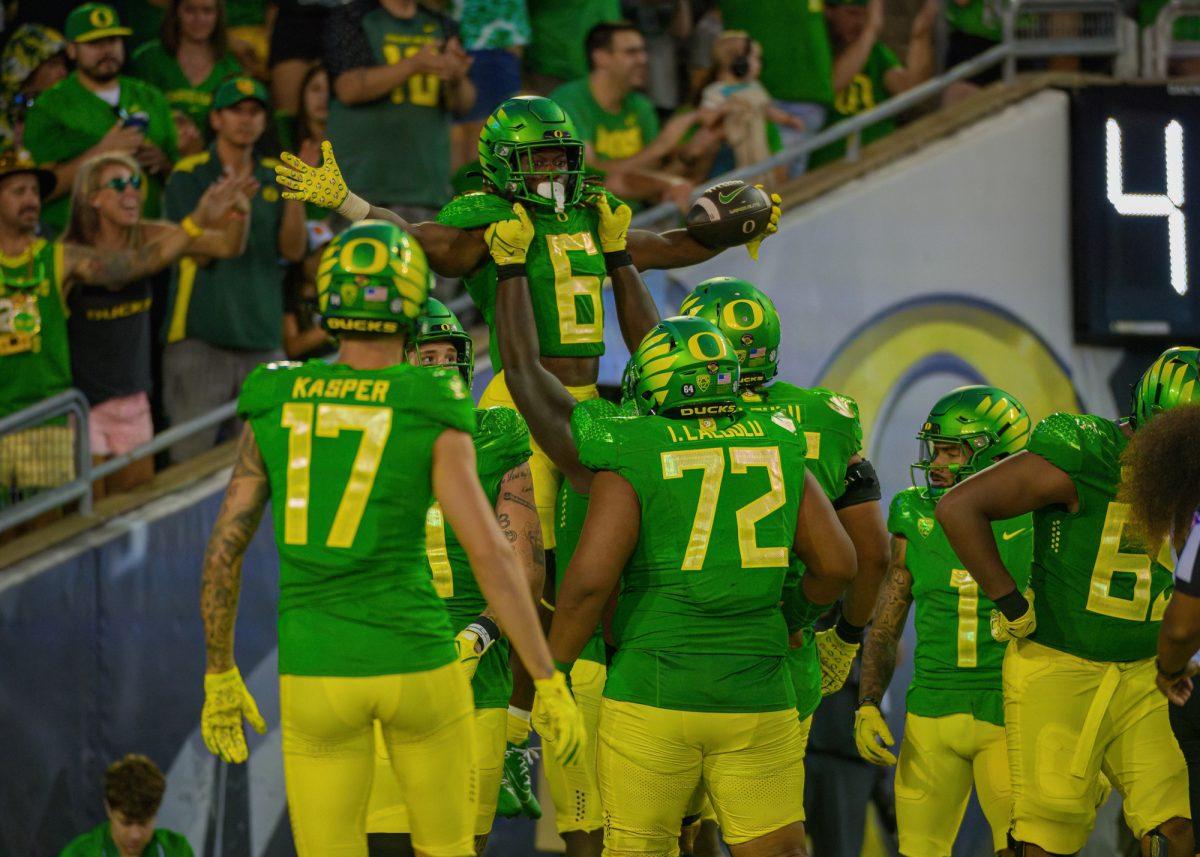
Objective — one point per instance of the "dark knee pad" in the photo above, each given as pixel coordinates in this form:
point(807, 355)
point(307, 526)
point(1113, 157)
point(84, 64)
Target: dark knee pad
point(389, 845)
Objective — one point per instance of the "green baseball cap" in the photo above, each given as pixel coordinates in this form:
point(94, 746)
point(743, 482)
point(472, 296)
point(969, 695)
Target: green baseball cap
point(239, 89)
point(93, 21)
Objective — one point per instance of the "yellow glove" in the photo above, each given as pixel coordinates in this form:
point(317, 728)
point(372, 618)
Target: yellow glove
point(558, 720)
point(614, 225)
point(508, 240)
point(468, 655)
point(1021, 627)
point(323, 185)
point(836, 657)
point(772, 224)
point(226, 702)
point(872, 736)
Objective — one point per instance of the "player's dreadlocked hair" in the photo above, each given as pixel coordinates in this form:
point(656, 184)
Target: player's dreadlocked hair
point(1161, 473)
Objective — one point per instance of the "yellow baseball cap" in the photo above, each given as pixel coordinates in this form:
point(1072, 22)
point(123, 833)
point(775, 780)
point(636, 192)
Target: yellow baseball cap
point(93, 21)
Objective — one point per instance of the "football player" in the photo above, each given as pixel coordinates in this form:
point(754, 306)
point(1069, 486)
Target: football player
point(833, 433)
point(1079, 693)
point(954, 729)
point(695, 508)
point(363, 635)
point(501, 443)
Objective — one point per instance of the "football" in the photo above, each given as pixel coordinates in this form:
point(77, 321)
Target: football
point(729, 214)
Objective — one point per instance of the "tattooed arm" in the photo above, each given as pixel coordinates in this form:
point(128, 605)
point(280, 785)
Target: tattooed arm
point(245, 500)
point(517, 515)
point(115, 268)
point(891, 612)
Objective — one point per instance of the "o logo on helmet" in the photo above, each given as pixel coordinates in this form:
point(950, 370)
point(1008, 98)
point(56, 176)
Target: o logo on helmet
point(351, 259)
point(729, 315)
point(101, 17)
point(707, 345)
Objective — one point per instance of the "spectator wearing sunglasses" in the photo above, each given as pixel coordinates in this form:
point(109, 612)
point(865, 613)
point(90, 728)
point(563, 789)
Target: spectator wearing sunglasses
point(96, 109)
point(110, 331)
point(34, 60)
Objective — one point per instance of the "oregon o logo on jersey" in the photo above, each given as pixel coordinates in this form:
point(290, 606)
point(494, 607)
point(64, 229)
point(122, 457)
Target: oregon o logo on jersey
point(698, 351)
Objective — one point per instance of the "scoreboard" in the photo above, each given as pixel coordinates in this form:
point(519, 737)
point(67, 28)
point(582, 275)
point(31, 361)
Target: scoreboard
point(1135, 213)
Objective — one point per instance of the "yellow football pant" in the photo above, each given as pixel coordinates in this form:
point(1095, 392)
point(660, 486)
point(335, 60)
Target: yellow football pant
point(329, 758)
point(652, 760)
point(546, 476)
point(1067, 719)
point(940, 758)
point(575, 790)
point(387, 809)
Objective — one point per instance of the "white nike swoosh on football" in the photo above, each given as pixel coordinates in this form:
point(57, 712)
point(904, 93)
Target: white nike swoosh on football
point(1008, 536)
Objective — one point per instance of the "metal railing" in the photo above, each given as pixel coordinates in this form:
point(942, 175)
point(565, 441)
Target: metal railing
point(73, 403)
point(1160, 45)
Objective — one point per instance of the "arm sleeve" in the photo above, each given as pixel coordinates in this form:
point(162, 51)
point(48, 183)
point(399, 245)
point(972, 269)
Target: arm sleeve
point(346, 45)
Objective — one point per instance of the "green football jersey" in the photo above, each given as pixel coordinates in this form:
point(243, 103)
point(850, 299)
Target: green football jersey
point(832, 435)
point(501, 443)
point(1099, 593)
point(356, 597)
point(957, 663)
point(565, 268)
point(697, 623)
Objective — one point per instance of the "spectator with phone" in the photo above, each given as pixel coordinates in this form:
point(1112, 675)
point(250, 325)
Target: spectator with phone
point(190, 59)
point(399, 74)
point(96, 109)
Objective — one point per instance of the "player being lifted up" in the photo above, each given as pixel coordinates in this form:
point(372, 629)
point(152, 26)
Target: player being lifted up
point(1079, 692)
point(833, 433)
point(954, 730)
point(695, 510)
point(363, 635)
point(502, 453)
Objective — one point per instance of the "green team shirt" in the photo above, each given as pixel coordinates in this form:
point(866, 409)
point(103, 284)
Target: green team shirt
point(565, 269)
point(867, 90)
point(153, 64)
point(832, 436)
point(231, 303)
point(33, 326)
point(501, 443)
point(611, 135)
point(412, 112)
point(571, 510)
point(559, 30)
point(797, 58)
point(355, 594)
point(697, 624)
point(68, 119)
point(1099, 594)
point(957, 663)
point(98, 842)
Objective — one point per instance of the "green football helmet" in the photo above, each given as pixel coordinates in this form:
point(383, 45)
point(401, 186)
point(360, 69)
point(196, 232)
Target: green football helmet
point(439, 324)
point(1170, 381)
point(748, 319)
point(990, 423)
point(373, 279)
point(511, 135)
point(684, 367)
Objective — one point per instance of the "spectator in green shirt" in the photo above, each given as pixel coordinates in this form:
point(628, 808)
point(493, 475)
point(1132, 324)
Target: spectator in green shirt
point(866, 71)
point(797, 59)
point(190, 59)
point(96, 109)
point(226, 315)
point(619, 125)
point(399, 74)
point(133, 792)
point(556, 53)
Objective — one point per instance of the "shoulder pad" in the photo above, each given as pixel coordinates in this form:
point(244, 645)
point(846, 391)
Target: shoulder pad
point(1059, 439)
point(473, 210)
point(839, 403)
point(598, 441)
point(592, 409)
point(903, 514)
point(501, 439)
point(190, 163)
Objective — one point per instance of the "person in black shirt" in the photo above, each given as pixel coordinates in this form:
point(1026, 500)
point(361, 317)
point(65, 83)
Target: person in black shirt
point(1162, 486)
